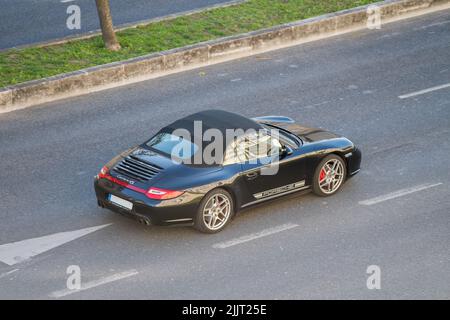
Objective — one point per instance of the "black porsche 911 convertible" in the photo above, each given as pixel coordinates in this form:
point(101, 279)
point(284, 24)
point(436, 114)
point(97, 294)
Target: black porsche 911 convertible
point(202, 169)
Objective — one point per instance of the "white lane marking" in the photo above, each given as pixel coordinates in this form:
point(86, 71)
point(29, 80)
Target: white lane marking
point(310, 106)
point(389, 35)
point(235, 80)
point(94, 283)
point(253, 236)
point(65, 1)
point(418, 93)
point(3, 275)
point(398, 193)
point(16, 252)
point(432, 25)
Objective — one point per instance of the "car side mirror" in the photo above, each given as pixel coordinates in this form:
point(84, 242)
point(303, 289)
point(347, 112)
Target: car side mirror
point(285, 151)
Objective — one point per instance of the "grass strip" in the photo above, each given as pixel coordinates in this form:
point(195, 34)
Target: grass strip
point(20, 65)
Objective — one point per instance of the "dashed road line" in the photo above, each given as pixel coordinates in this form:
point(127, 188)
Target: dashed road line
point(94, 283)
point(398, 193)
point(4, 275)
point(310, 106)
point(432, 25)
point(420, 92)
point(254, 236)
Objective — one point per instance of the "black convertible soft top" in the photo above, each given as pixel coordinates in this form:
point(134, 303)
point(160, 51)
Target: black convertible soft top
point(218, 119)
point(212, 119)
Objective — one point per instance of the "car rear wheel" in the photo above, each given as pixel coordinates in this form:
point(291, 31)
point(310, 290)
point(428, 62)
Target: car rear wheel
point(215, 211)
point(329, 176)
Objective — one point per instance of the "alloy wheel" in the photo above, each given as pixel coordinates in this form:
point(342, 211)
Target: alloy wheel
point(216, 211)
point(331, 176)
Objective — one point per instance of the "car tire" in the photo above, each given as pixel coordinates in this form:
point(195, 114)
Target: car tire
point(329, 176)
point(216, 205)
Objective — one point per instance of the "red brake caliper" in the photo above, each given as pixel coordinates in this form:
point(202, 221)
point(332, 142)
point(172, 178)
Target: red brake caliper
point(322, 174)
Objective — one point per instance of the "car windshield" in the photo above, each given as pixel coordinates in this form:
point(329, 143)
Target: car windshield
point(285, 136)
point(173, 145)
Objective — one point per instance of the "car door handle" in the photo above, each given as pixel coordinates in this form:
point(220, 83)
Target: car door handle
point(252, 175)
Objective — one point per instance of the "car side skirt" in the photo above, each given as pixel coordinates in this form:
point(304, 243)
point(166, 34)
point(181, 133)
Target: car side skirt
point(288, 190)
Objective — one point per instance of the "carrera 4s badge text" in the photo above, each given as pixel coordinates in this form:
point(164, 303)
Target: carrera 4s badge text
point(125, 179)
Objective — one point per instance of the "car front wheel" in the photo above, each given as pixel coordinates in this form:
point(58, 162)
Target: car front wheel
point(329, 176)
point(215, 211)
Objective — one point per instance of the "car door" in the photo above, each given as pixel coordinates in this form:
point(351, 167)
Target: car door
point(268, 174)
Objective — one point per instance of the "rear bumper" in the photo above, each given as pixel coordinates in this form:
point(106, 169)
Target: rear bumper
point(180, 210)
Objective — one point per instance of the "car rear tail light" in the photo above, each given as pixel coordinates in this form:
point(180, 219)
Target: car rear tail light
point(162, 194)
point(104, 172)
point(152, 193)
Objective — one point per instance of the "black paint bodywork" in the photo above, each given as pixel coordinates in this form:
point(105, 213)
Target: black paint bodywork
point(243, 181)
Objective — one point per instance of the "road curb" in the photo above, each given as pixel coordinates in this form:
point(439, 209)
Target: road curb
point(163, 63)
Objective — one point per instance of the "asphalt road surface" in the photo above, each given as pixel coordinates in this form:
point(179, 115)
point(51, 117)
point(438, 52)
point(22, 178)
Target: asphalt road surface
point(28, 21)
point(395, 214)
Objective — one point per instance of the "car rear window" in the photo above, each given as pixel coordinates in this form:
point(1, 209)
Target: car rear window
point(173, 145)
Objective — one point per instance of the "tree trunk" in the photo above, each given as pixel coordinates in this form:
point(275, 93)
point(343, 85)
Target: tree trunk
point(104, 14)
